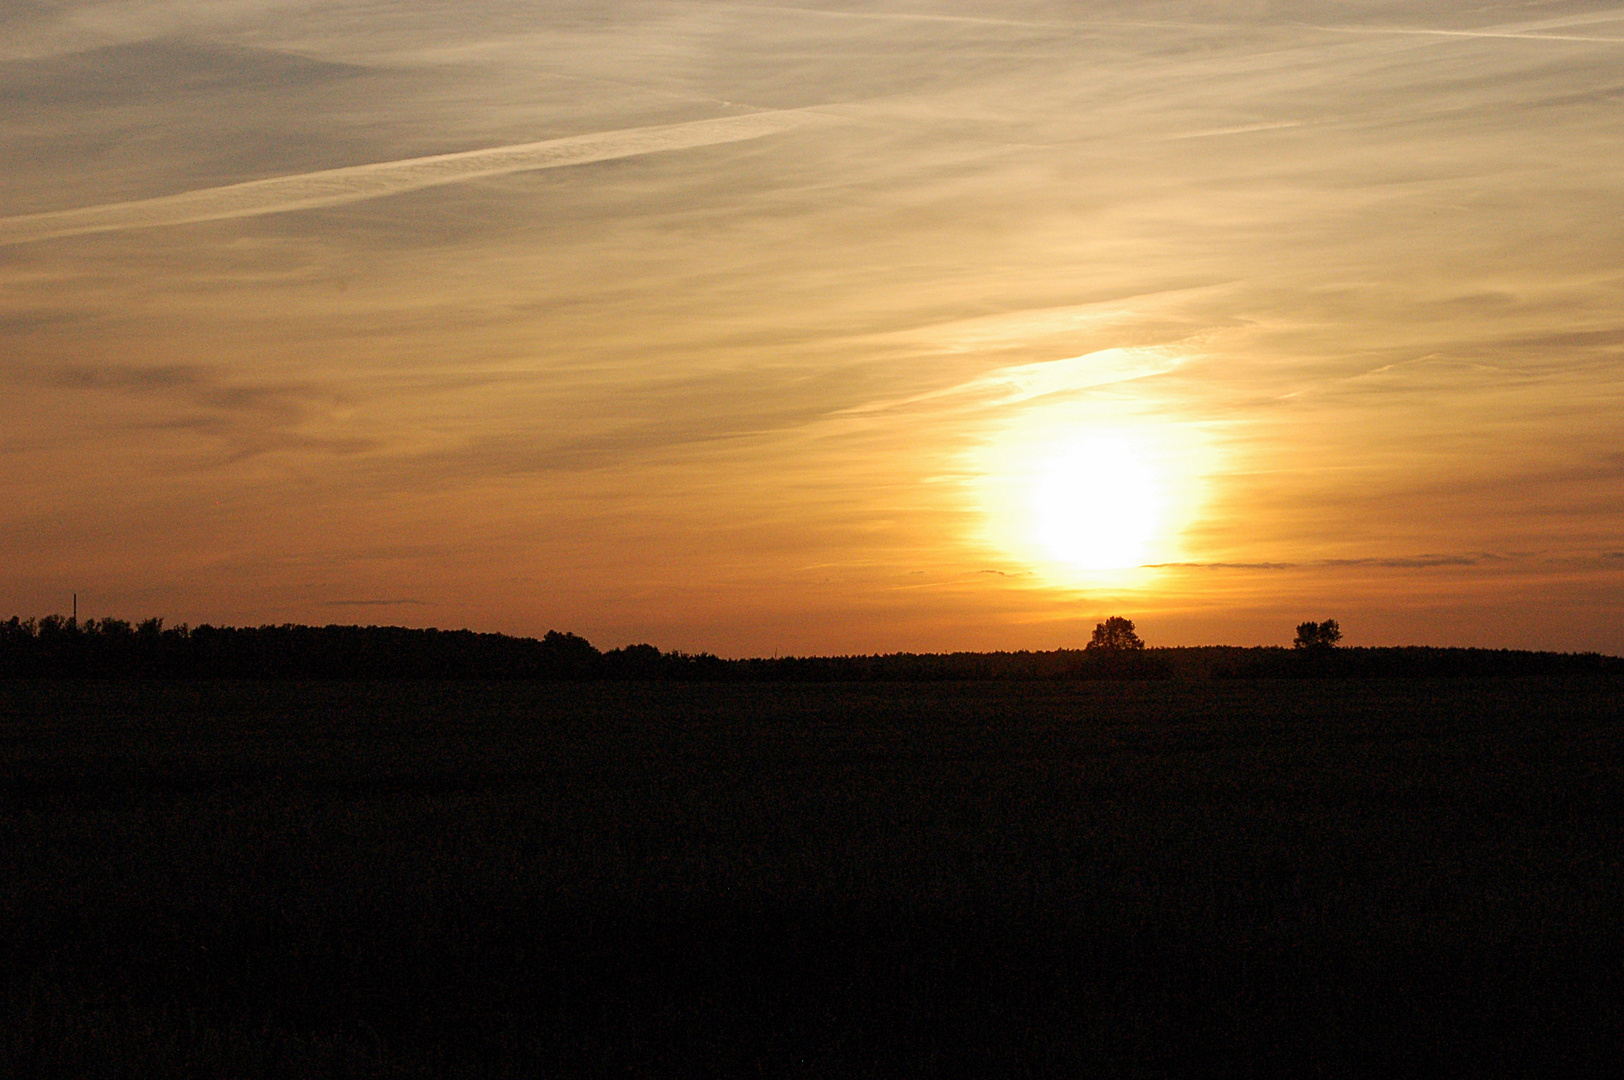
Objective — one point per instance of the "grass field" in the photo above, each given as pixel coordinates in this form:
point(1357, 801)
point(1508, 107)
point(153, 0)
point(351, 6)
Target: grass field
point(1237, 877)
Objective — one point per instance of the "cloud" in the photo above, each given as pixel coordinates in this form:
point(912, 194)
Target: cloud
point(124, 377)
point(1415, 562)
point(1024, 382)
point(1411, 562)
point(335, 187)
point(246, 418)
point(405, 602)
point(47, 28)
point(1502, 34)
point(1020, 383)
point(162, 73)
point(1240, 129)
point(903, 16)
point(1224, 566)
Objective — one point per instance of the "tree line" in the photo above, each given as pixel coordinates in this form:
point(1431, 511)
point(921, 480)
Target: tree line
point(58, 647)
point(55, 646)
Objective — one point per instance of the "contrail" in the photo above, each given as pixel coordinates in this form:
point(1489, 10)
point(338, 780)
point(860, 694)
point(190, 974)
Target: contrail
point(909, 16)
point(333, 187)
point(915, 16)
point(1244, 129)
point(1504, 34)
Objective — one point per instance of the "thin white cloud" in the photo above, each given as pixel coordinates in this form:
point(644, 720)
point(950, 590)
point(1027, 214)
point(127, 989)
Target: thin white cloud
point(908, 16)
point(1024, 382)
point(333, 187)
point(1503, 34)
point(1242, 129)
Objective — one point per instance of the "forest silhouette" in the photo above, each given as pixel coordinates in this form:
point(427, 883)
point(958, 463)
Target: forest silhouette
point(56, 646)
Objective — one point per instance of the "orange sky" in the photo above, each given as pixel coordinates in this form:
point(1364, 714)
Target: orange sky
point(844, 327)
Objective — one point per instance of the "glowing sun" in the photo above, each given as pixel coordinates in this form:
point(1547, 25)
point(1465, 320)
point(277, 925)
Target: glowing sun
point(1089, 503)
point(1095, 504)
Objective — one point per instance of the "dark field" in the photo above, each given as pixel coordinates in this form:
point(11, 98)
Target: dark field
point(1295, 877)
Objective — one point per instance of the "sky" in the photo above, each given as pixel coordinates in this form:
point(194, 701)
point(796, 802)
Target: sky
point(841, 327)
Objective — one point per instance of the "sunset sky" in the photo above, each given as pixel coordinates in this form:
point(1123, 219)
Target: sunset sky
point(855, 326)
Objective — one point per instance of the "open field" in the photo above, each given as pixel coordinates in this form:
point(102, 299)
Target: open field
point(1237, 877)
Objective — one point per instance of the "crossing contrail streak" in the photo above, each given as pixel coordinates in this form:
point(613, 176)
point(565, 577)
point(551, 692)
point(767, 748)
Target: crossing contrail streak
point(334, 187)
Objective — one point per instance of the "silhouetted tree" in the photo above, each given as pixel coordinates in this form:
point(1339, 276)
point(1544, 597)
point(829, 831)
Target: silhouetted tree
point(634, 662)
point(1317, 636)
point(1115, 635)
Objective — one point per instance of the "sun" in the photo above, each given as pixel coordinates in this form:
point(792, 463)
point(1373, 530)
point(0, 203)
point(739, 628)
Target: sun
point(1086, 500)
point(1095, 504)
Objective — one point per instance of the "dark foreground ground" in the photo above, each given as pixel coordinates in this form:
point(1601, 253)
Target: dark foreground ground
point(1246, 878)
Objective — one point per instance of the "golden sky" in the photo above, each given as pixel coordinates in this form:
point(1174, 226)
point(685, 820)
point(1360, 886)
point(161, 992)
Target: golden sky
point(839, 327)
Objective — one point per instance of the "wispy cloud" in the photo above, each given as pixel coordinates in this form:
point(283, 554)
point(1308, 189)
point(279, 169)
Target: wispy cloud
point(403, 602)
point(335, 187)
point(245, 418)
point(1410, 562)
point(1513, 35)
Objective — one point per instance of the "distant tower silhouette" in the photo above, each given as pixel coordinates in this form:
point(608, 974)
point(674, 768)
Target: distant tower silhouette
point(75, 619)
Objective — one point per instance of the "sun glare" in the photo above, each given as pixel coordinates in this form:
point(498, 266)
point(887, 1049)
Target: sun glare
point(1095, 505)
point(1085, 502)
